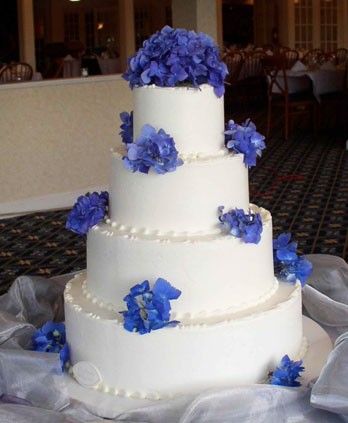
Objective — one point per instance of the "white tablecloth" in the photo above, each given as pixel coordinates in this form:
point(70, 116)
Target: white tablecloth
point(71, 68)
point(109, 66)
point(323, 81)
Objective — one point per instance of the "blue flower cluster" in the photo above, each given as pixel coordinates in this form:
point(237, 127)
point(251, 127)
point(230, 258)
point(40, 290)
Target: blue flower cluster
point(287, 373)
point(51, 338)
point(288, 265)
point(172, 57)
point(147, 309)
point(126, 127)
point(88, 210)
point(245, 139)
point(247, 226)
point(152, 149)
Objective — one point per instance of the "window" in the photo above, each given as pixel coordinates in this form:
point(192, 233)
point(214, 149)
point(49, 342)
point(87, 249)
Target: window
point(304, 24)
point(71, 26)
point(328, 25)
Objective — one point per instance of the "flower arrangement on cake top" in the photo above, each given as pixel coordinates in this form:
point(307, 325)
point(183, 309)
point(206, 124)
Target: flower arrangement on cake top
point(245, 139)
point(51, 338)
point(88, 210)
point(287, 373)
point(148, 309)
point(152, 149)
point(288, 266)
point(247, 226)
point(174, 57)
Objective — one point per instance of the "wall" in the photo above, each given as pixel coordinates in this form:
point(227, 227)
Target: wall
point(56, 135)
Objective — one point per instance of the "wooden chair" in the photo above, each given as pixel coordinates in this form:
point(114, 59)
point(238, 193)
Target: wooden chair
point(291, 57)
point(251, 83)
point(278, 95)
point(16, 72)
point(341, 55)
point(234, 61)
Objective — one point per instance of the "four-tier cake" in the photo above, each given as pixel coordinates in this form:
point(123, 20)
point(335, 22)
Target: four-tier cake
point(229, 320)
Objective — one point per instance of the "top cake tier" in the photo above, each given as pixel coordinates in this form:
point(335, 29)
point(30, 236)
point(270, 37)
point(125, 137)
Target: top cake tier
point(194, 117)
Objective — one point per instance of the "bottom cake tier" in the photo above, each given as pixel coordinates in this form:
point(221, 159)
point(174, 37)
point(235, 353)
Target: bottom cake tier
point(240, 348)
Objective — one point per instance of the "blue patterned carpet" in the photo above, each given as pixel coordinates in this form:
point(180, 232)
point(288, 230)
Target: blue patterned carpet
point(303, 182)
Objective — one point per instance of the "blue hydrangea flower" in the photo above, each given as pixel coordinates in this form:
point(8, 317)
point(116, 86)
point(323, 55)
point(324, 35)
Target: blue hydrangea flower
point(288, 266)
point(154, 150)
point(51, 338)
point(299, 269)
point(126, 127)
point(285, 250)
point(247, 226)
point(173, 57)
point(287, 372)
point(245, 139)
point(88, 210)
point(148, 309)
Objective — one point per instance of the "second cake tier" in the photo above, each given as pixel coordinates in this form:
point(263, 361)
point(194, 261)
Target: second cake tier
point(186, 200)
point(215, 273)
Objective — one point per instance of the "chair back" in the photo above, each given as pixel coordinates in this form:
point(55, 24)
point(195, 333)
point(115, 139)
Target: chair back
point(16, 72)
point(252, 66)
point(234, 63)
point(275, 72)
point(341, 55)
point(291, 57)
point(314, 57)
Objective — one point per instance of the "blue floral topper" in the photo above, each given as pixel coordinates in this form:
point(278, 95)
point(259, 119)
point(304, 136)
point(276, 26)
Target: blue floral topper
point(245, 139)
point(51, 338)
point(288, 266)
point(247, 226)
point(148, 309)
point(287, 373)
point(173, 57)
point(88, 210)
point(154, 150)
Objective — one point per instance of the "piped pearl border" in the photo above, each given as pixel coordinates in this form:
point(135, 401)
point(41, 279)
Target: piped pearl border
point(188, 158)
point(186, 317)
point(112, 228)
point(225, 320)
point(119, 392)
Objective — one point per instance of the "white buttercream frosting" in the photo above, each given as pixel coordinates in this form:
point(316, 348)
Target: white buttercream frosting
point(194, 117)
point(214, 271)
point(184, 200)
point(232, 351)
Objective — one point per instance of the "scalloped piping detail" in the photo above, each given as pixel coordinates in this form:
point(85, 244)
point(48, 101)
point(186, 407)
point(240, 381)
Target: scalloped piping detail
point(133, 233)
point(127, 393)
point(198, 157)
point(94, 299)
point(229, 320)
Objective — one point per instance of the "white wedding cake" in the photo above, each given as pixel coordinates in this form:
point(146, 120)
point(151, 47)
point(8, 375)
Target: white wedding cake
point(233, 320)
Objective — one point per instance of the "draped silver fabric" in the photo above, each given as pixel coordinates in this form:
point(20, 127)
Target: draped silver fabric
point(32, 389)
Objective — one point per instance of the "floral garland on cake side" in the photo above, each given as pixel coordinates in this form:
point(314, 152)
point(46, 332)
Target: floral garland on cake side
point(244, 139)
point(89, 210)
point(51, 338)
point(288, 265)
point(149, 309)
point(246, 226)
point(177, 57)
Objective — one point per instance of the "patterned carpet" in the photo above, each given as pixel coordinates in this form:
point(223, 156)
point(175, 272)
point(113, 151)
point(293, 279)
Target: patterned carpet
point(303, 182)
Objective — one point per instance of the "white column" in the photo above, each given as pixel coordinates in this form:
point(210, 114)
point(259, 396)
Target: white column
point(26, 32)
point(199, 15)
point(127, 33)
